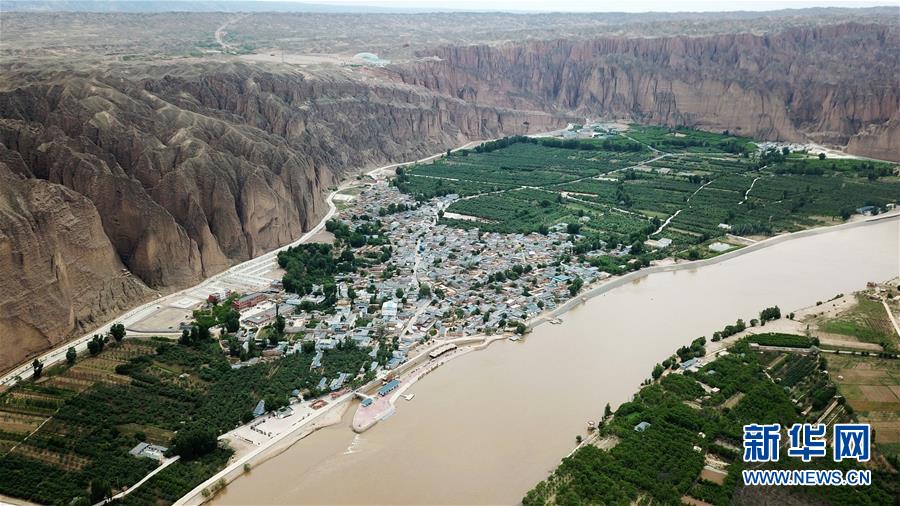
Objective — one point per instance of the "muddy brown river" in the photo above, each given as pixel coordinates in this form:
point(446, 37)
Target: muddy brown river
point(486, 428)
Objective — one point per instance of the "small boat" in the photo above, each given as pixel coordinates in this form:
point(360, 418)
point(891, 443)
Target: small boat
point(515, 338)
point(409, 397)
point(556, 321)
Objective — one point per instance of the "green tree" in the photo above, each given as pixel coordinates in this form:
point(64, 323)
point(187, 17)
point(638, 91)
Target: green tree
point(424, 291)
point(769, 313)
point(521, 328)
point(71, 355)
point(658, 371)
point(637, 248)
point(95, 345)
point(100, 490)
point(234, 347)
point(233, 321)
point(279, 325)
point(193, 442)
point(575, 287)
point(117, 331)
point(38, 368)
point(607, 411)
point(185, 338)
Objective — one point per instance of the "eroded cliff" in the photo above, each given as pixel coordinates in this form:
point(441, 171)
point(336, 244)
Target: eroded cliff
point(836, 85)
point(60, 272)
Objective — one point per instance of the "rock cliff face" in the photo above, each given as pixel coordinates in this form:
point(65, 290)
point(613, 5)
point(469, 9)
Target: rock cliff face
point(175, 178)
point(60, 272)
point(834, 84)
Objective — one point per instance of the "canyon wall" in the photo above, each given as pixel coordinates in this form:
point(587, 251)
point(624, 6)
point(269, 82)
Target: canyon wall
point(836, 85)
point(59, 270)
point(175, 178)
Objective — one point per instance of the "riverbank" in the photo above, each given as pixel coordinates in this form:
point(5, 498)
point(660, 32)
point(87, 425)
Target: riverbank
point(798, 325)
point(250, 453)
point(604, 286)
point(249, 457)
point(230, 474)
point(384, 406)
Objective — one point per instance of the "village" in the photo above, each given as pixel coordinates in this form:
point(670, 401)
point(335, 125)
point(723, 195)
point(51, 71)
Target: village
point(440, 283)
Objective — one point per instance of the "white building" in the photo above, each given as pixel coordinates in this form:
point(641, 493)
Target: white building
point(389, 309)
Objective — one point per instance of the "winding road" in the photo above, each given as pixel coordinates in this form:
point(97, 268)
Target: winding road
point(220, 34)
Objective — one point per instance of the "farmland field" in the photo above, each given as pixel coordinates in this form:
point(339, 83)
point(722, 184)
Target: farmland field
point(867, 321)
point(871, 386)
point(77, 424)
point(686, 431)
point(621, 190)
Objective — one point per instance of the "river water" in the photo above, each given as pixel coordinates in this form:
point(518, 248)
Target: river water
point(486, 428)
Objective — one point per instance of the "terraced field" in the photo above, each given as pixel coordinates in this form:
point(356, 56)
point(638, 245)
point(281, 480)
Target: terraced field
point(70, 432)
point(871, 386)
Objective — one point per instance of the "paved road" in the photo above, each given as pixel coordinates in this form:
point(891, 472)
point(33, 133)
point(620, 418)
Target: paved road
point(891, 316)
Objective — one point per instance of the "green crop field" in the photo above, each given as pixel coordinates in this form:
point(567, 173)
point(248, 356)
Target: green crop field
point(688, 140)
point(59, 437)
point(687, 431)
point(622, 188)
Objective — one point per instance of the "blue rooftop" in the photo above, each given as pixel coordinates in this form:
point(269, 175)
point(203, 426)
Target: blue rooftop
point(260, 408)
point(386, 389)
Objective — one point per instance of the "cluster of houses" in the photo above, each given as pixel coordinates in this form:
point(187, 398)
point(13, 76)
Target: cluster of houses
point(440, 282)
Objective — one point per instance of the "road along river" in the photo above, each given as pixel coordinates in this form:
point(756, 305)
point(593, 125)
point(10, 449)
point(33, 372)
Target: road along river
point(484, 429)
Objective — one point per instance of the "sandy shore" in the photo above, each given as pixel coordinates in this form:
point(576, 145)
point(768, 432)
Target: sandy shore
point(803, 318)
